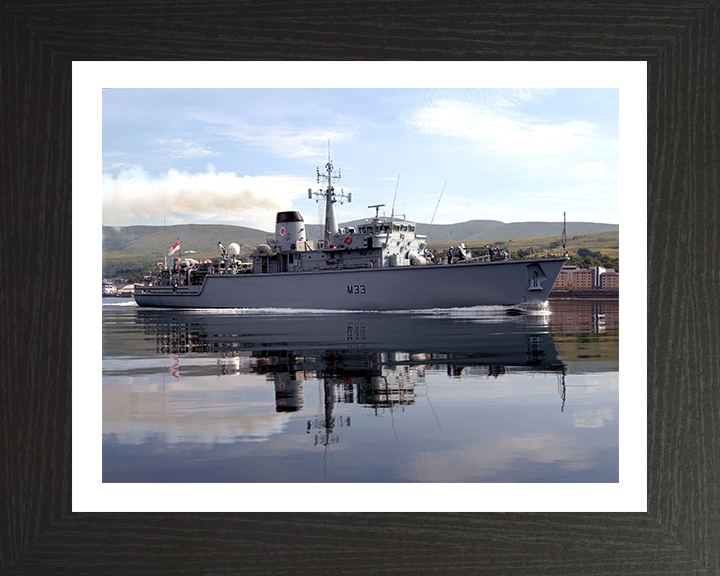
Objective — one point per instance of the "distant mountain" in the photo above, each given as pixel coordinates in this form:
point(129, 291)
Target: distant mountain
point(200, 238)
point(493, 229)
point(203, 238)
point(489, 230)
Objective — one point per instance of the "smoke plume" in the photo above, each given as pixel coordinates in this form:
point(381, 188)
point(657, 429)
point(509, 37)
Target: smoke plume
point(134, 197)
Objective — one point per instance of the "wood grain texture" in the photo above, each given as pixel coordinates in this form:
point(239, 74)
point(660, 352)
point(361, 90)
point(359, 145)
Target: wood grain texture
point(680, 533)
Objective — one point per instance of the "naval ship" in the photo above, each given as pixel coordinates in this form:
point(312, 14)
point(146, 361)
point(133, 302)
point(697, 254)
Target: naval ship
point(384, 264)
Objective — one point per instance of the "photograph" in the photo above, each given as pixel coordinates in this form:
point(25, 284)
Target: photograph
point(378, 285)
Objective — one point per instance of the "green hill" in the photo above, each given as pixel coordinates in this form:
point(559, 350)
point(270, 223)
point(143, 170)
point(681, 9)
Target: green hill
point(481, 229)
point(195, 238)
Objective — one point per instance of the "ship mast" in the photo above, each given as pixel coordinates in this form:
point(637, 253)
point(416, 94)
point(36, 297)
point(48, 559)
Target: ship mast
point(331, 225)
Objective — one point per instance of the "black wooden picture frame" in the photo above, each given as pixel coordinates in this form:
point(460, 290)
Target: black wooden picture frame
point(39, 534)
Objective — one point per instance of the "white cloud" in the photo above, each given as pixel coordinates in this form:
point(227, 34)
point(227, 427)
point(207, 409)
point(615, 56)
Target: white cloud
point(289, 143)
point(283, 140)
point(117, 165)
point(180, 148)
point(135, 195)
point(497, 127)
point(594, 170)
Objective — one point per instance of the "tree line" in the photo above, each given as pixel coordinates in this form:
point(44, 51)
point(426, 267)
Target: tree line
point(585, 258)
point(134, 272)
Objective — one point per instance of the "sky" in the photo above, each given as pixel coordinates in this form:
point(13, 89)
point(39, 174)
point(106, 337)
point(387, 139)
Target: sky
point(238, 156)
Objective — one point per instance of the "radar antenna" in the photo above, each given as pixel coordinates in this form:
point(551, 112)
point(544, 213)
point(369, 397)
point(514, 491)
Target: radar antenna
point(377, 210)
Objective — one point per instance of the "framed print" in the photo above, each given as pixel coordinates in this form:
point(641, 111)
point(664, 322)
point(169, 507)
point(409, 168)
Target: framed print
point(677, 530)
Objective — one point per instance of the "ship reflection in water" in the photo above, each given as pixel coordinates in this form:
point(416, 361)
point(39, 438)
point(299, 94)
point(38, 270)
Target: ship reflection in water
point(447, 396)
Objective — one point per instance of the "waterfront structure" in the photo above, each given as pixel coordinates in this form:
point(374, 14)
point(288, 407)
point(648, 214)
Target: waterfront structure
point(610, 280)
point(110, 289)
point(597, 278)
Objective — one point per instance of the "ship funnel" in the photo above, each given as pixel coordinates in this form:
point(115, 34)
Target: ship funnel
point(289, 229)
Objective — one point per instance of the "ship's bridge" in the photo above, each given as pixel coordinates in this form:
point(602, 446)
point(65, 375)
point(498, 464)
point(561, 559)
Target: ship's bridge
point(385, 226)
point(374, 228)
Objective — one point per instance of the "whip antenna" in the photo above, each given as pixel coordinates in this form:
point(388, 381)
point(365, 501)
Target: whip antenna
point(438, 203)
point(392, 214)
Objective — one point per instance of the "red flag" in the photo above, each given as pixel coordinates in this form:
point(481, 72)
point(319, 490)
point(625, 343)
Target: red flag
point(175, 248)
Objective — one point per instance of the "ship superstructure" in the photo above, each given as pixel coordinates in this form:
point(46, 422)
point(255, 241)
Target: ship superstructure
point(380, 242)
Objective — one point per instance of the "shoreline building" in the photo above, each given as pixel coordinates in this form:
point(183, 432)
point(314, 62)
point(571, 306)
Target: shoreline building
point(597, 278)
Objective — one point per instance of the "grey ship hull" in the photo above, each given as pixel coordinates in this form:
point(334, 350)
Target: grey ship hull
point(504, 283)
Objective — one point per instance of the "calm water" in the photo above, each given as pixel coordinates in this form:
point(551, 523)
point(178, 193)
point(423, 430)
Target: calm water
point(280, 396)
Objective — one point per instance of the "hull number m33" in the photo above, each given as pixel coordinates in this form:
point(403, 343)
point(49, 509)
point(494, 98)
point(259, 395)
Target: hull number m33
point(356, 289)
